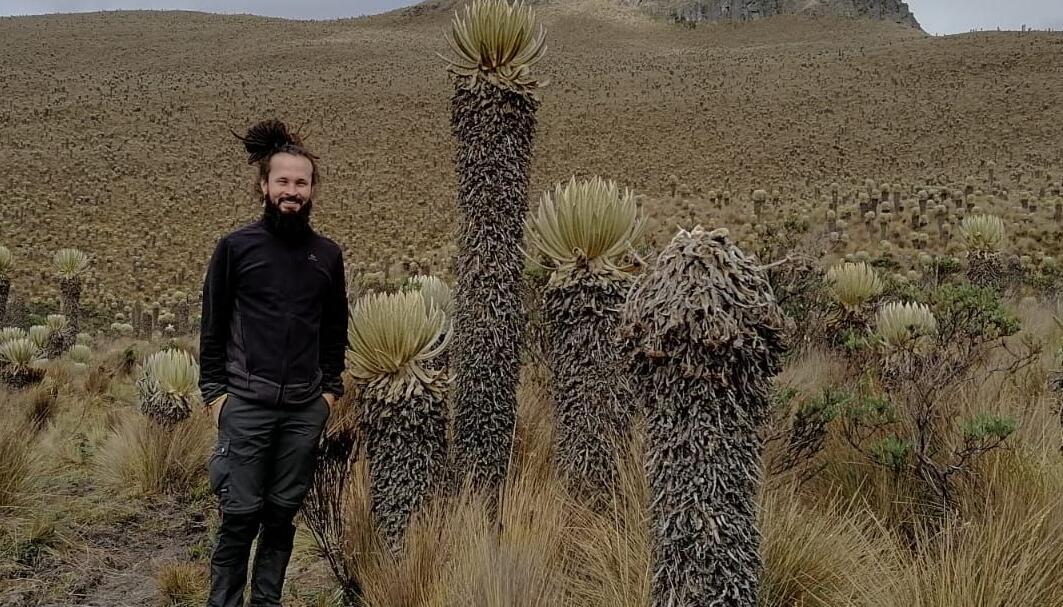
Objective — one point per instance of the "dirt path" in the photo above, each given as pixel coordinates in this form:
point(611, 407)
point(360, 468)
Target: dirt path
point(110, 562)
point(133, 553)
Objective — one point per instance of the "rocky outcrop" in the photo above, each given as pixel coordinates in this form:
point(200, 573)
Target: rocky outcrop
point(428, 7)
point(748, 10)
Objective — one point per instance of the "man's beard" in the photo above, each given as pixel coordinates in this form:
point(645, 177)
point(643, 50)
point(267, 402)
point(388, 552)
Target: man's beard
point(287, 226)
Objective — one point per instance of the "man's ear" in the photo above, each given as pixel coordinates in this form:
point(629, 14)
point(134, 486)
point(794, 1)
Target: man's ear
point(263, 185)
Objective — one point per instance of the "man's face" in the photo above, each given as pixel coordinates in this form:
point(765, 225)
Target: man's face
point(289, 185)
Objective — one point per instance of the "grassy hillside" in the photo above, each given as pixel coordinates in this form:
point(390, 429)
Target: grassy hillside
point(116, 125)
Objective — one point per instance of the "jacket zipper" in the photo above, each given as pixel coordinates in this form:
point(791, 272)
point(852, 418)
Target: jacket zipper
point(290, 254)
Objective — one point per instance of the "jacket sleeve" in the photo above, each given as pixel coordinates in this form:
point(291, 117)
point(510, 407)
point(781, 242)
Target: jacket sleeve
point(334, 332)
point(214, 323)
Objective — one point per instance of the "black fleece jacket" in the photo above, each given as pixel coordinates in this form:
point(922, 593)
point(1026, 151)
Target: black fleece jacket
point(274, 323)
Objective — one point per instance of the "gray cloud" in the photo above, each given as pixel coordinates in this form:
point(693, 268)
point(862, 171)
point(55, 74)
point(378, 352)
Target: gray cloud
point(936, 16)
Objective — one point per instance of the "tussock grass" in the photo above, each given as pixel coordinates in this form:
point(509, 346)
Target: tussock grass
point(43, 404)
point(182, 584)
point(19, 457)
point(821, 555)
point(458, 552)
point(147, 459)
point(853, 534)
point(18, 462)
point(1005, 551)
point(607, 554)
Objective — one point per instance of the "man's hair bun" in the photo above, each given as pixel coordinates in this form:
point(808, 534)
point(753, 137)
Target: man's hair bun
point(267, 137)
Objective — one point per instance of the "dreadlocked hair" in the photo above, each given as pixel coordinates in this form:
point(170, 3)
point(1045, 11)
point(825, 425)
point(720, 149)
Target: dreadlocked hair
point(269, 137)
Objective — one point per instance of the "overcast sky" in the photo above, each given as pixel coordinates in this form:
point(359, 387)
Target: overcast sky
point(936, 16)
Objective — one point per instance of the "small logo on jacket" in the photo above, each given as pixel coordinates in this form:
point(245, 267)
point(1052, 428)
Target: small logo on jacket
point(312, 257)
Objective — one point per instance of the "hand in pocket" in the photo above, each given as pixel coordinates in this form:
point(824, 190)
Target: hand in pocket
point(215, 407)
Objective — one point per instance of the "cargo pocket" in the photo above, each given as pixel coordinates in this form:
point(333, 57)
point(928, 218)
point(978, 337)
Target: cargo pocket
point(219, 469)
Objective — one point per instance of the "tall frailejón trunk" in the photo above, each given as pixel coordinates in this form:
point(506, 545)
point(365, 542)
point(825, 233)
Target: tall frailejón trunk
point(5, 289)
point(7, 262)
point(70, 306)
point(493, 119)
point(704, 334)
point(70, 265)
point(591, 389)
point(406, 443)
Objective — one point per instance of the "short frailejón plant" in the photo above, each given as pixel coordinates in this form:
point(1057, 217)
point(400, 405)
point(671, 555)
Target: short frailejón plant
point(705, 336)
point(38, 334)
point(70, 265)
point(20, 360)
point(438, 295)
point(9, 333)
point(902, 325)
point(906, 332)
point(80, 354)
point(853, 286)
point(391, 339)
point(585, 230)
point(984, 236)
point(435, 291)
point(167, 387)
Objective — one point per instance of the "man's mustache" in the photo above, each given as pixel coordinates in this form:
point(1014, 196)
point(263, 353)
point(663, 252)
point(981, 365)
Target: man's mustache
point(275, 203)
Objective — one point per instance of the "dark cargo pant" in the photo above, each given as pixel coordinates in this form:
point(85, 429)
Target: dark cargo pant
point(261, 469)
point(265, 454)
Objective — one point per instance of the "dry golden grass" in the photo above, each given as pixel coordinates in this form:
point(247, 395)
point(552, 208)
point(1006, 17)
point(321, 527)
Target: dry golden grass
point(852, 535)
point(1007, 552)
point(148, 459)
point(608, 554)
point(182, 584)
point(18, 460)
point(821, 554)
point(855, 535)
point(43, 403)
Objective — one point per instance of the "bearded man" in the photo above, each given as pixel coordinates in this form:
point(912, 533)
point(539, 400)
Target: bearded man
point(273, 334)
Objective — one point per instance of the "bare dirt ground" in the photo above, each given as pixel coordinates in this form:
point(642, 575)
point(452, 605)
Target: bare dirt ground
point(109, 557)
point(77, 543)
